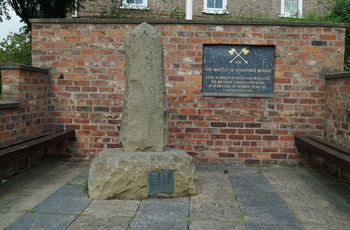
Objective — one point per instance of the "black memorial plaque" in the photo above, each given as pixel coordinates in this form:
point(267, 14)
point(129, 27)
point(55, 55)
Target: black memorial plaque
point(238, 71)
point(160, 182)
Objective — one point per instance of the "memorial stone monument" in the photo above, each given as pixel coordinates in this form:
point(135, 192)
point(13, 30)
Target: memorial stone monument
point(144, 167)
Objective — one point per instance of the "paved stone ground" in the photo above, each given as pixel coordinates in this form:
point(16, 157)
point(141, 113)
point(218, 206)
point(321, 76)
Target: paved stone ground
point(51, 196)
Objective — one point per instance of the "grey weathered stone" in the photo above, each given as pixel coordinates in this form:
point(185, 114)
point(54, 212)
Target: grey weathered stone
point(144, 119)
point(115, 174)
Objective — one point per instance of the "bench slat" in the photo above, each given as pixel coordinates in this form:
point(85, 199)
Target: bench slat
point(38, 143)
point(33, 137)
point(323, 151)
point(329, 144)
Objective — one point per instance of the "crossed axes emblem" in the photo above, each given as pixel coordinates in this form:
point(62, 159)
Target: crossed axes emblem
point(233, 52)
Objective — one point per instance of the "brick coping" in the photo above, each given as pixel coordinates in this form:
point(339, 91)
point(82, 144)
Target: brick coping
point(8, 104)
point(337, 75)
point(192, 22)
point(11, 65)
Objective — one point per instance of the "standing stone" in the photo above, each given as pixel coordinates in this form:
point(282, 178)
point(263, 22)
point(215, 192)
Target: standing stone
point(144, 119)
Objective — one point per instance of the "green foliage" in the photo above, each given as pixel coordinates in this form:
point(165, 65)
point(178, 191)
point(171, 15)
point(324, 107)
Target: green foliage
point(27, 9)
point(341, 11)
point(86, 184)
point(29, 211)
point(242, 221)
point(347, 64)
point(15, 48)
point(300, 163)
point(116, 12)
point(178, 13)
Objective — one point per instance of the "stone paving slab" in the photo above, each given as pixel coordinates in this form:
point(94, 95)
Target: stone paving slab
point(7, 218)
point(111, 222)
point(269, 214)
point(314, 175)
point(217, 200)
point(69, 199)
point(19, 204)
point(253, 199)
point(320, 215)
point(311, 199)
point(215, 211)
point(212, 196)
point(37, 189)
point(161, 214)
point(69, 191)
point(273, 226)
point(291, 183)
point(19, 195)
point(213, 180)
point(259, 202)
point(106, 208)
point(80, 180)
point(239, 198)
point(163, 209)
point(68, 205)
point(106, 214)
point(140, 223)
point(216, 225)
point(338, 200)
point(302, 191)
point(325, 227)
point(39, 221)
point(250, 182)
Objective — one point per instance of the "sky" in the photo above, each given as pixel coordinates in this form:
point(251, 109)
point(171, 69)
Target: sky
point(12, 25)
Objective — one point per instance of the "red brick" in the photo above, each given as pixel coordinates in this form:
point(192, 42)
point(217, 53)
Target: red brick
point(236, 137)
point(270, 138)
point(278, 156)
point(188, 111)
point(245, 131)
point(226, 155)
point(229, 131)
point(176, 78)
point(218, 124)
point(218, 136)
point(327, 37)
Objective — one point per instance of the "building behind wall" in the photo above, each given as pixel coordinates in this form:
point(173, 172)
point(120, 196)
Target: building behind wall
point(234, 9)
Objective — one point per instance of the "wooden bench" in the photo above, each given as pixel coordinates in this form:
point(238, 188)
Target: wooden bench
point(330, 152)
point(19, 148)
point(16, 156)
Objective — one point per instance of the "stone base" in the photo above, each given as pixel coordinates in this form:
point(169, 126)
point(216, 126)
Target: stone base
point(115, 174)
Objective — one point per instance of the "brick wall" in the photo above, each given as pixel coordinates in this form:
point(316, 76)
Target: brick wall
point(25, 88)
point(23, 112)
point(89, 55)
point(337, 116)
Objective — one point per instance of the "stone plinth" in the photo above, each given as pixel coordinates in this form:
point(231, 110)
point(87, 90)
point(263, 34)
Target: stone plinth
point(115, 174)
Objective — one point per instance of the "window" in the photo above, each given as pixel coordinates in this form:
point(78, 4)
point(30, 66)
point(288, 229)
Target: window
point(134, 4)
point(75, 15)
point(291, 7)
point(215, 6)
